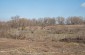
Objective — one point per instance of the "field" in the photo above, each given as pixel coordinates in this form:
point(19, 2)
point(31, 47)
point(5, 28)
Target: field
point(49, 40)
point(42, 27)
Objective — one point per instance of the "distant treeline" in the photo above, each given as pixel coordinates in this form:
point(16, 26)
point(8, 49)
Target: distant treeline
point(23, 28)
point(16, 21)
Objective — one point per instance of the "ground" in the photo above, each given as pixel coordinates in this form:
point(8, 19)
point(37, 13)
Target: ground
point(49, 40)
point(27, 47)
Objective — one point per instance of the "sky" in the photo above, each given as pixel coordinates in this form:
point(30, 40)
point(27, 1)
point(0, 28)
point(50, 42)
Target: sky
point(41, 8)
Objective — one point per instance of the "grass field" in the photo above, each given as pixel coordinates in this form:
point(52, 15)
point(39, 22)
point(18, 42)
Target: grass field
point(50, 40)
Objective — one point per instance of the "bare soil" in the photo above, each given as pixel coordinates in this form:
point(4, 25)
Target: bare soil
point(27, 47)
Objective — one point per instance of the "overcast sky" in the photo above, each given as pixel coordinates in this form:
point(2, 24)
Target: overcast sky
point(41, 8)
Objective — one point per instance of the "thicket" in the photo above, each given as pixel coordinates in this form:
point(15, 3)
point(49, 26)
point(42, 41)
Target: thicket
point(15, 28)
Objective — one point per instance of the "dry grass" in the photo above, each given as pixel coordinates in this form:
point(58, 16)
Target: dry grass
point(25, 47)
point(49, 40)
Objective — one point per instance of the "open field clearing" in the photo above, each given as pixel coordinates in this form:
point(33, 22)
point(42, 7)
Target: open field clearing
point(26, 47)
point(20, 37)
point(50, 40)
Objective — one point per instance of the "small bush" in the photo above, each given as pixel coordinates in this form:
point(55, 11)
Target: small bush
point(77, 39)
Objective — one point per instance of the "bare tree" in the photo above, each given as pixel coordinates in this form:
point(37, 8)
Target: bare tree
point(74, 20)
point(60, 20)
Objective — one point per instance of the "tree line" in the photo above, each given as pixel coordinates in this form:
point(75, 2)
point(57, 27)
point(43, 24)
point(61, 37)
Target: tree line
point(16, 21)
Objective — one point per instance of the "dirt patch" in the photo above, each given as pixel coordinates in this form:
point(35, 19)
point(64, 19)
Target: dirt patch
point(26, 47)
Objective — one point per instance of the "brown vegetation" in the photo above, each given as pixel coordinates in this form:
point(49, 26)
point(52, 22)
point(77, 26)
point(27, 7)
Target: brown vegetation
point(45, 36)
